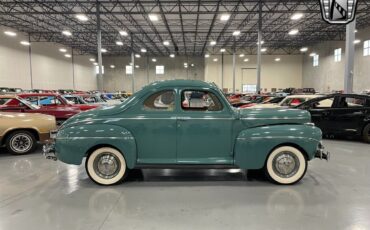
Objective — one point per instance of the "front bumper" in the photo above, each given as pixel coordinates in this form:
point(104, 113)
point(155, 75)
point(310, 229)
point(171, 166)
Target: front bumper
point(48, 149)
point(321, 153)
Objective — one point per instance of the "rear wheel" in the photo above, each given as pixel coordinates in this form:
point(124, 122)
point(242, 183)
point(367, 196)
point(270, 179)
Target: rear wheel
point(366, 133)
point(21, 142)
point(286, 165)
point(106, 166)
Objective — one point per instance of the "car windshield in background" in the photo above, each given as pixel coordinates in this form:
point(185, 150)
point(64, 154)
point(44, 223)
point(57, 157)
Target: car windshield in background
point(27, 103)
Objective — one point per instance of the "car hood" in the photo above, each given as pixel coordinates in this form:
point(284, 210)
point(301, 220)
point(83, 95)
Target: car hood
point(254, 117)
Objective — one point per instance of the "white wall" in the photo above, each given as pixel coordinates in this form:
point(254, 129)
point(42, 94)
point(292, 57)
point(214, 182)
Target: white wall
point(50, 69)
point(329, 75)
point(283, 74)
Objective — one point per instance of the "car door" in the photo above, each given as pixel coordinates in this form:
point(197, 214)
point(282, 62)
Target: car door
point(321, 113)
point(349, 114)
point(154, 128)
point(204, 128)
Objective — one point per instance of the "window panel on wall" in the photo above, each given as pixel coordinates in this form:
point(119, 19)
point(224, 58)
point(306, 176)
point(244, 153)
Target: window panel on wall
point(316, 60)
point(338, 55)
point(367, 48)
point(159, 69)
point(128, 69)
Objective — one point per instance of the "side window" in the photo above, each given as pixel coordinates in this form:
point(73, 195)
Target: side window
point(160, 101)
point(33, 100)
point(324, 103)
point(351, 102)
point(194, 100)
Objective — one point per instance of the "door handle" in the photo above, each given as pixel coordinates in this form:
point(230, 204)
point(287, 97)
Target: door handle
point(183, 118)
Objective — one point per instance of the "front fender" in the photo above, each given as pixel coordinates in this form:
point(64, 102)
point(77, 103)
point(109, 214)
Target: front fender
point(73, 142)
point(253, 145)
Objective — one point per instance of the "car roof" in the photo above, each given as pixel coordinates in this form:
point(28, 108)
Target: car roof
point(180, 83)
point(38, 94)
point(8, 96)
point(304, 96)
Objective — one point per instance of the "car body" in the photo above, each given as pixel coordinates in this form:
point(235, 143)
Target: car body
point(19, 132)
point(154, 128)
point(13, 103)
point(53, 100)
point(270, 101)
point(288, 102)
point(341, 114)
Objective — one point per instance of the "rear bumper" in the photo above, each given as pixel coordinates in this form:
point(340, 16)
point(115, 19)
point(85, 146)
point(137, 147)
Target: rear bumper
point(48, 151)
point(322, 153)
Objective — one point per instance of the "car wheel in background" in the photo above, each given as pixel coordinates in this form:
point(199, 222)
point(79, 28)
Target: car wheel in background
point(286, 165)
point(106, 166)
point(21, 142)
point(366, 133)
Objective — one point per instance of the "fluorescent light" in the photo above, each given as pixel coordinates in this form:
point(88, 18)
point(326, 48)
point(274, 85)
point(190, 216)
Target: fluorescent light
point(119, 43)
point(185, 63)
point(212, 43)
point(63, 50)
point(66, 33)
point(166, 43)
point(153, 17)
point(261, 42)
point(25, 43)
point(154, 60)
point(293, 32)
point(277, 59)
point(222, 50)
point(92, 59)
point(356, 31)
point(123, 33)
point(225, 17)
point(303, 49)
point(236, 33)
point(215, 59)
point(143, 50)
point(246, 60)
point(312, 54)
point(95, 63)
point(82, 17)
point(103, 50)
point(296, 16)
point(67, 55)
point(206, 55)
point(241, 55)
point(263, 49)
point(137, 55)
point(172, 55)
point(192, 65)
point(112, 66)
point(137, 66)
point(356, 41)
point(185, 66)
point(10, 33)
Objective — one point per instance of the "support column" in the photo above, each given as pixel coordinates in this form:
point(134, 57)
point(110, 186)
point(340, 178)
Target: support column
point(132, 66)
point(222, 71)
point(349, 57)
point(100, 59)
point(30, 57)
point(258, 86)
point(73, 71)
point(147, 69)
point(234, 63)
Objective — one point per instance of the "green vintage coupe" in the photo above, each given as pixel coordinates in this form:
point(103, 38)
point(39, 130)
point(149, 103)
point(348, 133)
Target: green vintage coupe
point(183, 123)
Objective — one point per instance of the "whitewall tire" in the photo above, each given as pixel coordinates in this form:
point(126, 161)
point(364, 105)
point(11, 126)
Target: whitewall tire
point(286, 165)
point(106, 166)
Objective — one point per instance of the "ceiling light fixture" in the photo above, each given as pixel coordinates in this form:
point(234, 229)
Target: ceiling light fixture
point(212, 43)
point(215, 59)
point(67, 55)
point(172, 55)
point(225, 17)
point(10, 33)
point(261, 42)
point(112, 66)
point(95, 63)
point(63, 50)
point(66, 33)
point(103, 50)
point(236, 33)
point(92, 59)
point(303, 49)
point(123, 33)
point(154, 60)
point(293, 32)
point(312, 54)
point(119, 43)
point(296, 16)
point(166, 43)
point(82, 17)
point(153, 17)
point(263, 49)
point(143, 50)
point(277, 59)
point(246, 60)
point(192, 65)
point(241, 55)
point(137, 55)
point(356, 41)
point(25, 43)
point(137, 66)
point(206, 55)
point(222, 50)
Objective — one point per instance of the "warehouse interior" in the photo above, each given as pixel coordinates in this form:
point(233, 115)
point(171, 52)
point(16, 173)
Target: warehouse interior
point(244, 47)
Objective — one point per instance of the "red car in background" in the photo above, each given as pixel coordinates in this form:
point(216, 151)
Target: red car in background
point(53, 100)
point(13, 103)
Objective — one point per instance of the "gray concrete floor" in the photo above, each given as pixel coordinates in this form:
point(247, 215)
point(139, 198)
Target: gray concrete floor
point(40, 194)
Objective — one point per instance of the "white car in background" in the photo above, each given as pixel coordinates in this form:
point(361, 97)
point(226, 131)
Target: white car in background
point(289, 101)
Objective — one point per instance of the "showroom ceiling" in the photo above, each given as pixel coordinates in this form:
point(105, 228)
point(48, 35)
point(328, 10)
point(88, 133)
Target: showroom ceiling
point(185, 27)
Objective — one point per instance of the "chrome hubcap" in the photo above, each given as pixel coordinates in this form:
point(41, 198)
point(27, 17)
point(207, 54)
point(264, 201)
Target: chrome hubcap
point(21, 143)
point(285, 164)
point(107, 165)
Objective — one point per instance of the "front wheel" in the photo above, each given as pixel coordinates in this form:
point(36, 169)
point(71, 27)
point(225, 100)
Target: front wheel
point(286, 165)
point(21, 142)
point(366, 133)
point(106, 166)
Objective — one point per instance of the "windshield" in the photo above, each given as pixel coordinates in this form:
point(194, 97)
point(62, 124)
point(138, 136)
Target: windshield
point(27, 103)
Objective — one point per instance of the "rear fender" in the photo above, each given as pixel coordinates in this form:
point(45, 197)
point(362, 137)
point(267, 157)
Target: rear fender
point(253, 145)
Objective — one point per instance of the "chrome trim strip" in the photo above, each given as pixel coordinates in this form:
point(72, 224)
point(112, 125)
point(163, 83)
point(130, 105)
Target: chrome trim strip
point(272, 118)
point(272, 137)
point(83, 138)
